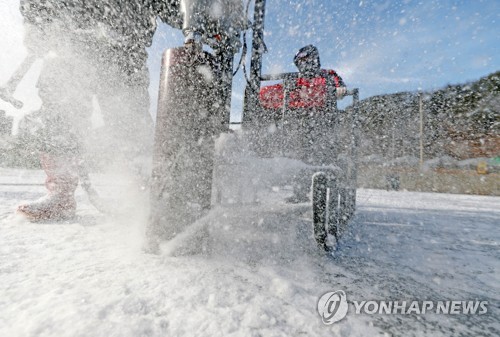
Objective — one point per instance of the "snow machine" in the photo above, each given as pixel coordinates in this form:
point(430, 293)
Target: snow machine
point(194, 110)
point(323, 137)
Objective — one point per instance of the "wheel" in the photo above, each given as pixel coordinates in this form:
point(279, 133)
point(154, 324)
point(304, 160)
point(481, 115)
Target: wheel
point(333, 208)
point(319, 205)
point(343, 210)
point(351, 202)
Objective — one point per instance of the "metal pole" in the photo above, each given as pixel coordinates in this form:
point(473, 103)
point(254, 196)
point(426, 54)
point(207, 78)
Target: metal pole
point(252, 88)
point(421, 112)
point(225, 57)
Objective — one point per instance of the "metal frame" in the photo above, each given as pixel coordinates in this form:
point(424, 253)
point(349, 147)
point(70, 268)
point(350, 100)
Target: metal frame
point(334, 187)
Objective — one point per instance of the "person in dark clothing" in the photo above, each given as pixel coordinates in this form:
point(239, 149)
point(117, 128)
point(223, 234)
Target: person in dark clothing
point(308, 63)
point(91, 49)
point(310, 85)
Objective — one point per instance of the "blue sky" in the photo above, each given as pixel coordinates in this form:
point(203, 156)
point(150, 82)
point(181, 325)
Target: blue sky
point(378, 46)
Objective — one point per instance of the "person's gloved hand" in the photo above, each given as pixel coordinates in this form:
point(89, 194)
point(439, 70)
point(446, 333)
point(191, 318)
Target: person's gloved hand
point(340, 92)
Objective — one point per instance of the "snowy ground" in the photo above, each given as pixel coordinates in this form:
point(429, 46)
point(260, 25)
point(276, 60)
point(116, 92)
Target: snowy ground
point(259, 276)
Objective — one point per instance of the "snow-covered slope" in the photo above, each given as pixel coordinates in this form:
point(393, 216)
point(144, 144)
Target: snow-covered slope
point(256, 272)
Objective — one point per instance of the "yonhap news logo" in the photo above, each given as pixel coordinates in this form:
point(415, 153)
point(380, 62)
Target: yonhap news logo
point(333, 307)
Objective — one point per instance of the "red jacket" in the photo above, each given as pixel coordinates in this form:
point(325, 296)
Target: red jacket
point(308, 94)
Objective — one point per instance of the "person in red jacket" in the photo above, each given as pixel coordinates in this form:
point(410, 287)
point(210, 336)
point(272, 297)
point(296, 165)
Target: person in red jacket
point(308, 137)
point(310, 89)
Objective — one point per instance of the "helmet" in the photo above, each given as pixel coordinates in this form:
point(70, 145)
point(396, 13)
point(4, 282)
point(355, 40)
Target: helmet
point(307, 59)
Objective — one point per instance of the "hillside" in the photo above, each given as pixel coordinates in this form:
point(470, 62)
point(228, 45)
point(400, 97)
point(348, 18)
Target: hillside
point(461, 121)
